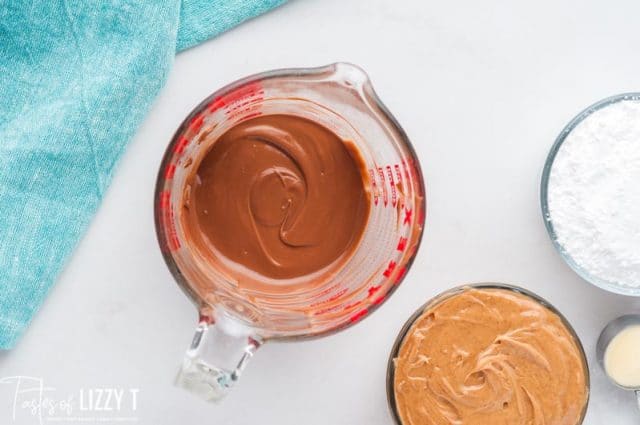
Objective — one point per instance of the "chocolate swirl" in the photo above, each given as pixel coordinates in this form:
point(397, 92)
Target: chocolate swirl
point(279, 195)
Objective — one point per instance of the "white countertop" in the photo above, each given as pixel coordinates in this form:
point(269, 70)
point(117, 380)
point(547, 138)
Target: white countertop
point(481, 88)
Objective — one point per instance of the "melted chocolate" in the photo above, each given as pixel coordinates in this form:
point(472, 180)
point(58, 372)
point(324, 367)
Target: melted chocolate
point(277, 195)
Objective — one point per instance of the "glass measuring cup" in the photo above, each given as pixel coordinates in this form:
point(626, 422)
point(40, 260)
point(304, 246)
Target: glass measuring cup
point(235, 321)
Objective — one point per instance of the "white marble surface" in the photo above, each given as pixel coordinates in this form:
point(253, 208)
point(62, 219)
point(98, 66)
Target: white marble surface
point(482, 89)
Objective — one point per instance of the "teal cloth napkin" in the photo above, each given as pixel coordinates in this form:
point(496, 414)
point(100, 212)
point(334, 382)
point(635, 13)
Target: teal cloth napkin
point(76, 79)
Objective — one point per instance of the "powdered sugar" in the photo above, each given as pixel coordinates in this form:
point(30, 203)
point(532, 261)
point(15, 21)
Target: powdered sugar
point(594, 194)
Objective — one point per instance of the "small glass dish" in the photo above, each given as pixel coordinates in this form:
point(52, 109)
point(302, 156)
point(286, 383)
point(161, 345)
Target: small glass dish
point(544, 200)
point(391, 397)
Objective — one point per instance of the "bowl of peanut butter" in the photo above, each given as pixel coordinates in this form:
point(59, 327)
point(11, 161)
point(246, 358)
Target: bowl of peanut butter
point(487, 354)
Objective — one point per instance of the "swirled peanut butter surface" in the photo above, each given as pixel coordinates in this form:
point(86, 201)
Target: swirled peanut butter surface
point(489, 356)
point(278, 195)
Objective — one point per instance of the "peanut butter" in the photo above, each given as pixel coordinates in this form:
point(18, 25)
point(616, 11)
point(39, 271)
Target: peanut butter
point(487, 357)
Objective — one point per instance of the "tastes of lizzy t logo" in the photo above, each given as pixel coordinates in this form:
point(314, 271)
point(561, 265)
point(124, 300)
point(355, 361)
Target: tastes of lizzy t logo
point(33, 402)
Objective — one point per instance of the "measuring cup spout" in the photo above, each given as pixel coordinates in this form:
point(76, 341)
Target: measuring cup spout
point(215, 360)
point(350, 74)
point(355, 80)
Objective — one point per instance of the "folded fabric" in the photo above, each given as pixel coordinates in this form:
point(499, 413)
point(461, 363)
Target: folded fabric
point(76, 79)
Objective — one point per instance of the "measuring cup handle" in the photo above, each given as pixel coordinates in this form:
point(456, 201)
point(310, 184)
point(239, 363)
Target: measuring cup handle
point(214, 361)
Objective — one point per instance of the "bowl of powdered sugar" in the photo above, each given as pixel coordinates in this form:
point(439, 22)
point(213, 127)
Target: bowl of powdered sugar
point(591, 194)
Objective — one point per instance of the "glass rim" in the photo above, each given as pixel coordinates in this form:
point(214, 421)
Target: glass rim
point(237, 85)
point(444, 295)
point(544, 196)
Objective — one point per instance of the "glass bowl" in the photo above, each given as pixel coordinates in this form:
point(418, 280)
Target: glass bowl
point(544, 200)
point(391, 400)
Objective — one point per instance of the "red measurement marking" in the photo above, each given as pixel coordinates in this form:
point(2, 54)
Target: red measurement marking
point(253, 115)
point(196, 124)
point(383, 184)
point(379, 300)
point(374, 187)
point(238, 107)
point(392, 184)
point(358, 315)
point(170, 171)
point(390, 268)
point(241, 98)
point(401, 272)
point(329, 289)
point(249, 112)
point(334, 297)
point(326, 310)
point(407, 216)
point(216, 104)
point(182, 144)
point(250, 89)
point(350, 306)
point(402, 244)
point(398, 173)
point(373, 289)
point(174, 243)
point(165, 197)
